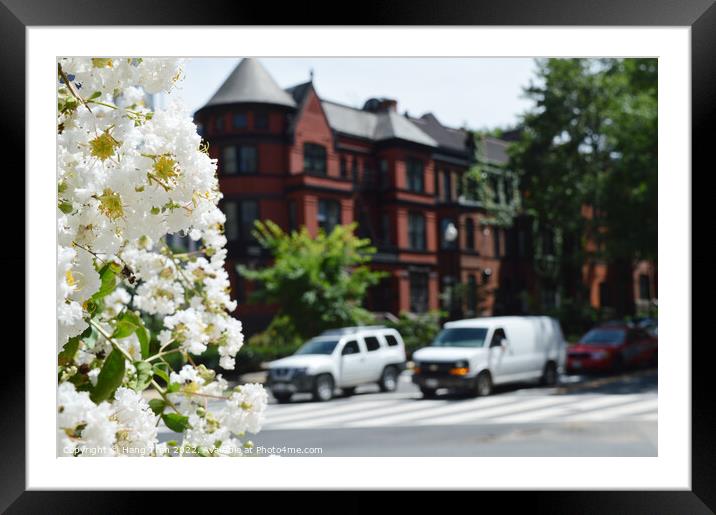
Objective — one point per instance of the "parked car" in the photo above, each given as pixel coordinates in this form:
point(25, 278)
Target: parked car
point(343, 358)
point(611, 348)
point(473, 355)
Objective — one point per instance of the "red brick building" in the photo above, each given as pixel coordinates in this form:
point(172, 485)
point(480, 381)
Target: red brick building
point(290, 156)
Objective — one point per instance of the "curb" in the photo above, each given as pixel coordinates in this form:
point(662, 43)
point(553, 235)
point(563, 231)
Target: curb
point(602, 381)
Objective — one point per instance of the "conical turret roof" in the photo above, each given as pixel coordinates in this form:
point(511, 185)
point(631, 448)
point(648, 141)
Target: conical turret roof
point(250, 83)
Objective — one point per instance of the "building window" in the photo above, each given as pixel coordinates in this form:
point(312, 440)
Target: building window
point(248, 159)
point(447, 240)
point(260, 120)
point(354, 168)
point(416, 175)
point(238, 160)
point(644, 287)
point(416, 231)
point(329, 214)
point(219, 124)
point(240, 121)
point(604, 300)
point(344, 167)
point(292, 216)
point(471, 294)
point(469, 234)
point(496, 241)
point(383, 166)
point(314, 158)
point(385, 229)
point(418, 292)
point(509, 190)
point(447, 186)
point(495, 186)
point(228, 160)
point(240, 218)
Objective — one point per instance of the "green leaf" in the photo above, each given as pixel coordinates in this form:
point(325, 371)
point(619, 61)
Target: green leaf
point(176, 422)
point(143, 377)
point(109, 281)
point(123, 329)
point(109, 378)
point(173, 387)
point(157, 406)
point(159, 370)
point(142, 333)
point(94, 95)
point(65, 206)
point(68, 352)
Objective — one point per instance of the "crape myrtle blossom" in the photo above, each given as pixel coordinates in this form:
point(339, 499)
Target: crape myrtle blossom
point(128, 176)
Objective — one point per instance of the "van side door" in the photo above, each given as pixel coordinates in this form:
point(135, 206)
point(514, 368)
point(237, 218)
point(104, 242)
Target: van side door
point(504, 361)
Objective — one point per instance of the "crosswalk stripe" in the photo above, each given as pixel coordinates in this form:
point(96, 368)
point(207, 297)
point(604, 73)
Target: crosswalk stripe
point(618, 411)
point(324, 409)
point(563, 410)
point(480, 414)
point(450, 407)
point(357, 413)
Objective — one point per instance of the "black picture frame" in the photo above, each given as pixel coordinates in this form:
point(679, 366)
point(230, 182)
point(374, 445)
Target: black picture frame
point(17, 15)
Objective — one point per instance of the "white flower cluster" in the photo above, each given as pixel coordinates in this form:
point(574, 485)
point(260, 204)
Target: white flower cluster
point(125, 427)
point(127, 177)
point(218, 429)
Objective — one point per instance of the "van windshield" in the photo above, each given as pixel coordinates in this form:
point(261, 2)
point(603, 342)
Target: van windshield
point(318, 347)
point(461, 337)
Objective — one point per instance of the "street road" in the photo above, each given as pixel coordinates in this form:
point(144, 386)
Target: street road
point(584, 416)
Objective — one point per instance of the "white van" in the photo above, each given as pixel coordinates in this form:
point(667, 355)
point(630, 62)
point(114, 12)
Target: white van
point(343, 358)
point(475, 354)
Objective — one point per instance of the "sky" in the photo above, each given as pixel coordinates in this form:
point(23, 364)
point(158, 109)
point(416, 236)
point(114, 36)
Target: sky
point(478, 93)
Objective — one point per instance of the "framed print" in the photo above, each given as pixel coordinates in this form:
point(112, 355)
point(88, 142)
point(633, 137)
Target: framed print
point(421, 257)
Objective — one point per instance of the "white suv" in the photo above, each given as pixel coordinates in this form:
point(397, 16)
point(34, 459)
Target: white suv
point(343, 358)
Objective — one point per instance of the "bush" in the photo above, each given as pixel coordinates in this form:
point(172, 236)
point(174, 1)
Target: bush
point(417, 330)
point(278, 340)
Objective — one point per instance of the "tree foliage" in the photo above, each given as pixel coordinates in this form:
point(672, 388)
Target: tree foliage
point(317, 283)
point(587, 160)
point(591, 140)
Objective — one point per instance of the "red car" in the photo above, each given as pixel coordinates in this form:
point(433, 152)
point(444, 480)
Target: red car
point(611, 348)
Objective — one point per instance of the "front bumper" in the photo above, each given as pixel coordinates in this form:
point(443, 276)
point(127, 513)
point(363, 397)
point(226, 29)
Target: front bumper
point(432, 381)
point(589, 365)
point(297, 384)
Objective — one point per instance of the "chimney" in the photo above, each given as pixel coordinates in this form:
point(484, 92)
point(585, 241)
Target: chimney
point(381, 105)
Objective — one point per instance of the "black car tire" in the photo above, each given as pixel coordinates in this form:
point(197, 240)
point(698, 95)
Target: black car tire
point(282, 398)
point(550, 375)
point(483, 384)
point(388, 379)
point(323, 388)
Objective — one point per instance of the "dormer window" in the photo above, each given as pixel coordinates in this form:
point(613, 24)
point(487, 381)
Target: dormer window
point(314, 158)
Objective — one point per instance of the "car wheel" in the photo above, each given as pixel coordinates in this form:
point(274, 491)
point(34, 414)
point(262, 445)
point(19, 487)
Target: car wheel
point(618, 364)
point(282, 398)
point(388, 380)
point(323, 388)
point(349, 391)
point(549, 375)
point(428, 393)
point(483, 384)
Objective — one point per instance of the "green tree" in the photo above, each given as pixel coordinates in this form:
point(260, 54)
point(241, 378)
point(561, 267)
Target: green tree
point(590, 143)
point(317, 283)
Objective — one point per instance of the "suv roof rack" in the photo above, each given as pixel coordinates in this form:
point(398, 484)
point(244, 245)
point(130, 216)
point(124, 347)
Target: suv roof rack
point(350, 330)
